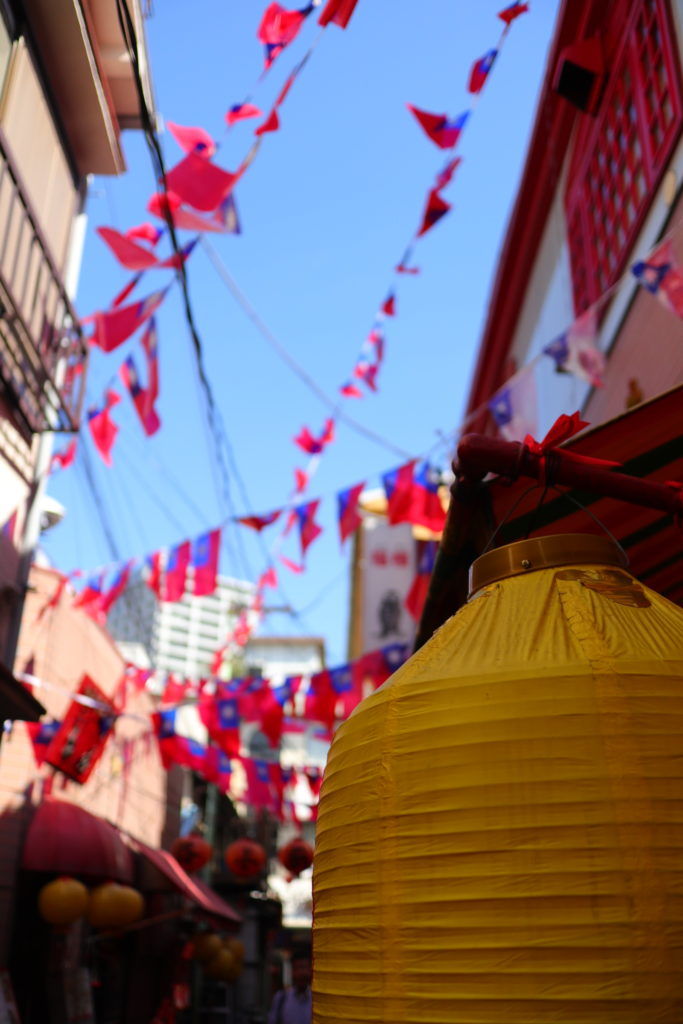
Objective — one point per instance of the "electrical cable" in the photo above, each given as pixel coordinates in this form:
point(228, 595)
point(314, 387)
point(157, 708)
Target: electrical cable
point(99, 504)
point(219, 437)
point(296, 368)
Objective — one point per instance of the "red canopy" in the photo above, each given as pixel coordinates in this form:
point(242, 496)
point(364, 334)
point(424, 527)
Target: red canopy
point(192, 888)
point(66, 839)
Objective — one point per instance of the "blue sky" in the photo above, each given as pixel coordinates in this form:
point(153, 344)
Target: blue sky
point(326, 210)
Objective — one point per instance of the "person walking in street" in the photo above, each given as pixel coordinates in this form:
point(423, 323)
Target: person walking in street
point(294, 1005)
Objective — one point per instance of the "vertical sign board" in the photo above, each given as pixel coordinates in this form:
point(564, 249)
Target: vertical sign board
point(78, 744)
point(387, 572)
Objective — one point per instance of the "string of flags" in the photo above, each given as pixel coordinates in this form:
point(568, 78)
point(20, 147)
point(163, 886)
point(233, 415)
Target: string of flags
point(198, 197)
point(575, 351)
point(198, 724)
point(413, 496)
point(198, 184)
point(417, 491)
point(197, 187)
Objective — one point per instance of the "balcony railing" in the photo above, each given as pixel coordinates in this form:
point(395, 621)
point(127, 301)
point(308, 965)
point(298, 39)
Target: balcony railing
point(43, 354)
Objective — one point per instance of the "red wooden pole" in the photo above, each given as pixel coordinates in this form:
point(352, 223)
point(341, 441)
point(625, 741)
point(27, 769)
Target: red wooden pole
point(479, 455)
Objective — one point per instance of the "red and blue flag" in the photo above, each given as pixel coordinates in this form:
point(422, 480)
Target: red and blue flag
point(445, 175)
point(152, 573)
point(321, 700)
point(309, 530)
point(220, 714)
point(102, 428)
point(65, 457)
point(271, 124)
point(398, 488)
point(514, 406)
point(204, 561)
point(415, 598)
point(426, 508)
point(114, 326)
point(443, 131)
point(192, 140)
point(182, 737)
point(146, 231)
point(175, 572)
point(337, 12)
point(242, 112)
point(436, 208)
point(347, 510)
point(508, 14)
point(217, 768)
point(661, 275)
point(480, 71)
point(349, 390)
point(42, 735)
point(144, 398)
point(278, 27)
point(129, 253)
point(90, 597)
point(116, 587)
point(259, 523)
point(199, 182)
point(264, 784)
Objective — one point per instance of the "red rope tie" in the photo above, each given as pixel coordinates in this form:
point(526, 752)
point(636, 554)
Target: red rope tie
point(562, 429)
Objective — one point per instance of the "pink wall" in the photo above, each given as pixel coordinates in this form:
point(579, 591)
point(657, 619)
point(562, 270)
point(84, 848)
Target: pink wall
point(141, 799)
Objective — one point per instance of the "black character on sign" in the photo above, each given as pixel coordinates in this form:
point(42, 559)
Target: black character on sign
point(390, 614)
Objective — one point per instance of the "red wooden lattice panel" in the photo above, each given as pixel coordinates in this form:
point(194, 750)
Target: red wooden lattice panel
point(620, 160)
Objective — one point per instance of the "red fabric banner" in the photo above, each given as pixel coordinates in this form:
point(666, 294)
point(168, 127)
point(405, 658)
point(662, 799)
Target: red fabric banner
point(79, 742)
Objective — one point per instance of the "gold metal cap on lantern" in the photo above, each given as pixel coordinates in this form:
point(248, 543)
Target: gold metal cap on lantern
point(544, 553)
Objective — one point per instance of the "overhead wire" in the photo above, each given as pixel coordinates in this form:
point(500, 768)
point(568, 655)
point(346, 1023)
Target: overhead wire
point(100, 506)
point(221, 442)
point(285, 355)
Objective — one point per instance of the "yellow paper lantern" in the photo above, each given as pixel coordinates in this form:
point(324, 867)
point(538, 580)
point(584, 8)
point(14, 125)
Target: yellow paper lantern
point(114, 906)
point(500, 833)
point(63, 901)
point(205, 946)
point(222, 966)
point(235, 947)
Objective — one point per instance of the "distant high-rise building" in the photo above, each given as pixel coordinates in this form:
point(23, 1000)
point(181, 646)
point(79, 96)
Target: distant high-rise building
point(177, 636)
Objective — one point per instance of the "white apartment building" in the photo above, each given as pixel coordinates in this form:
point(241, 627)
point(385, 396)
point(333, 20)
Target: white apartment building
point(180, 636)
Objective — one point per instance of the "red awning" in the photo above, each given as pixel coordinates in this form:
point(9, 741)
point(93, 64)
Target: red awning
point(66, 839)
point(648, 442)
point(192, 888)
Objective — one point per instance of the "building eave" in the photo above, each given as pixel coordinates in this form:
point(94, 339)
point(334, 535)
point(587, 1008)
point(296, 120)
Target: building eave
point(550, 137)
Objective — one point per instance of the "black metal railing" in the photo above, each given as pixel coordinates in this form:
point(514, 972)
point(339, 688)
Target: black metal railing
point(43, 354)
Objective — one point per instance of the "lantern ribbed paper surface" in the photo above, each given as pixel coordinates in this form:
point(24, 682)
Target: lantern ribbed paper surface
point(500, 835)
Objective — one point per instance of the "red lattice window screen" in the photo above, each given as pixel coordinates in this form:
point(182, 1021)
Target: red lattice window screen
point(620, 160)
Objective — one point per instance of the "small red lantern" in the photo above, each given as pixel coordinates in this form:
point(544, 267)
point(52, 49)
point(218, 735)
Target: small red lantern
point(191, 852)
point(245, 858)
point(296, 856)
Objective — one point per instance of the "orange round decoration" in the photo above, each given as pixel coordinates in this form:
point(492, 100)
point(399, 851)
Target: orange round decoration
point(222, 967)
point(296, 856)
point(191, 852)
point(206, 945)
point(245, 858)
point(63, 901)
point(114, 906)
point(235, 947)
